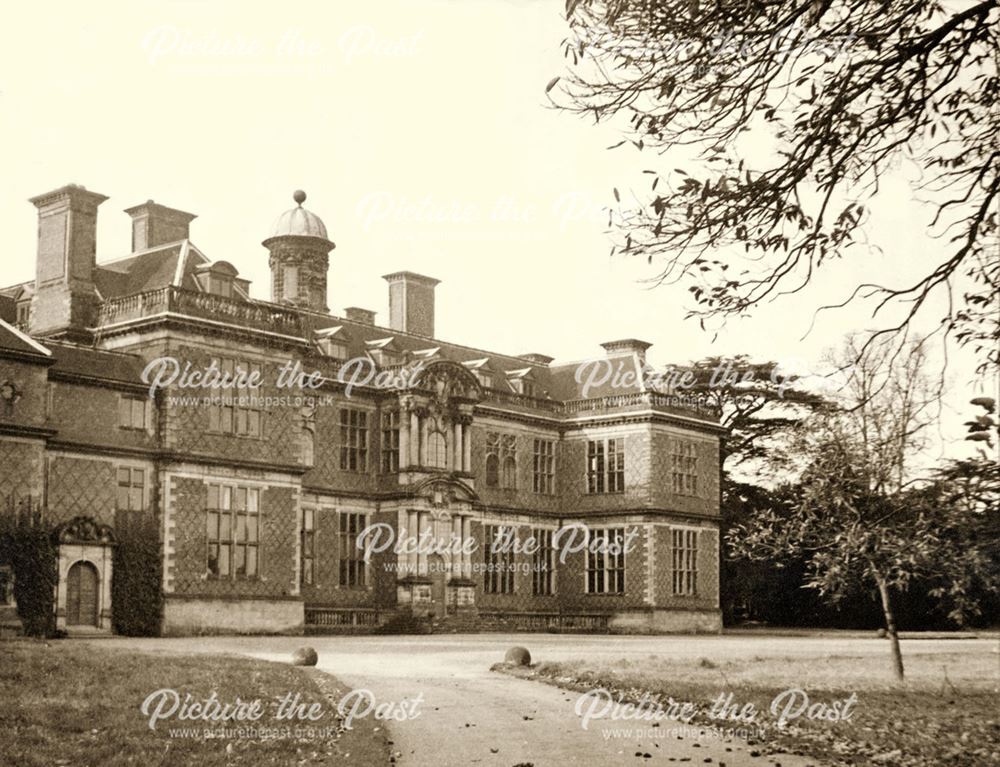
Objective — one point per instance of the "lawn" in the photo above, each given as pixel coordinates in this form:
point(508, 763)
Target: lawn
point(947, 712)
point(71, 703)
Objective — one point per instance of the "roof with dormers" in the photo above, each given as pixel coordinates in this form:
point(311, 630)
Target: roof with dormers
point(179, 264)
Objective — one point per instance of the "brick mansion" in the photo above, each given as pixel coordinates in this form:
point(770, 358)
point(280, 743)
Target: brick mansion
point(256, 499)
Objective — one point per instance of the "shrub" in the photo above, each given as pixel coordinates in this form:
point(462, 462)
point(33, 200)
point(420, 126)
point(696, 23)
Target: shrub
point(27, 546)
point(136, 578)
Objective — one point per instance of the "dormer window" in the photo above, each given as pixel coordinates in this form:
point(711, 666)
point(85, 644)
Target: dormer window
point(384, 352)
point(384, 358)
point(217, 278)
point(522, 382)
point(220, 286)
point(332, 342)
point(525, 387)
point(427, 354)
point(23, 314)
point(480, 369)
point(331, 348)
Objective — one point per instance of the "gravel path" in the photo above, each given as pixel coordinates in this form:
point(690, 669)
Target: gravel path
point(470, 715)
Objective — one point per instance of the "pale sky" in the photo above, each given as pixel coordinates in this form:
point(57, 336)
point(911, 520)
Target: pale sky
point(422, 135)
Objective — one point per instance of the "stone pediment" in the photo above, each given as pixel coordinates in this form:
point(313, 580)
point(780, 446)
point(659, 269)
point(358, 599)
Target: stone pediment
point(444, 491)
point(84, 530)
point(445, 380)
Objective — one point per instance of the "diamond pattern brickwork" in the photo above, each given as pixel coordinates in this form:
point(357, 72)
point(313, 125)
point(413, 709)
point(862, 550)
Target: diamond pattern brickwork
point(81, 487)
point(20, 472)
point(279, 532)
point(573, 478)
point(706, 500)
point(326, 589)
point(707, 596)
point(186, 422)
point(522, 495)
point(326, 473)
point(569, 583)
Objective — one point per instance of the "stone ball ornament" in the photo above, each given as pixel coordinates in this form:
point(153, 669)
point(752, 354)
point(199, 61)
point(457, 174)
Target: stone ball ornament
point(305, 656)
point(517, 656)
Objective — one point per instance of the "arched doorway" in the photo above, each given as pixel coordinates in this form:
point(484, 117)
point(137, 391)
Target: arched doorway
point(82, 595)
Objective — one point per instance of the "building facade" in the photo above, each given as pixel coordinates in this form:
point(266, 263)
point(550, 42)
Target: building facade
point(487, 490)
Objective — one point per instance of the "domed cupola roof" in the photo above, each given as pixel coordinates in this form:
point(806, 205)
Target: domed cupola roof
point(298, 222)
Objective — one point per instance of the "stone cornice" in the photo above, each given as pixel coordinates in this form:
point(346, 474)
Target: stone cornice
point(204, 326)
point(23, 430)
point(91, 380)
point(29, 357)
point(233, 463)
point(147, 453)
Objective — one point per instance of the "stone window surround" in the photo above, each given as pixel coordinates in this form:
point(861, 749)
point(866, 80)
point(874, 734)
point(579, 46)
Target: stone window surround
point(599, 468)
point(608, 559)
point(689, 589)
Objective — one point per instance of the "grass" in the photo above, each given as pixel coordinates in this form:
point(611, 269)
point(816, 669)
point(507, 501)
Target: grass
point(69, 702)
point(945, 714)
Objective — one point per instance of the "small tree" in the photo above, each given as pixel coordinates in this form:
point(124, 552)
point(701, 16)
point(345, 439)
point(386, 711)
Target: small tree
point(853, 521)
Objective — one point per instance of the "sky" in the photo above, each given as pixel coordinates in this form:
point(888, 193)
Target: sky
point(422, 135)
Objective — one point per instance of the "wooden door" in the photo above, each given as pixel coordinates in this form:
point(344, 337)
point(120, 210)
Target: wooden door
point(81, 595)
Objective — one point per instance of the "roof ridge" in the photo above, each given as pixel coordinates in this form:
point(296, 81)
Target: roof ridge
point(116, 352)
point(21, 336)
point(144, 252)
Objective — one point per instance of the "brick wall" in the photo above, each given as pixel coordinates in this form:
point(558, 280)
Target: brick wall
point(185, 426)
point(707, 596)
point(522, 599)
point(326, 590)
point(187, 568)
point(523, 495)
point(88, 414)
point(30, 381)
point(22, 474)
point(706, 500)
point(81, 486)
point(326, 473)
point(570, 580)
point(573, 477)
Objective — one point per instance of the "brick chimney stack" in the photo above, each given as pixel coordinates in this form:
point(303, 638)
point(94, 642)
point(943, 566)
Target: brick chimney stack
point(411, 302)
point(154, 224)
point(65, 301)
point(357, 314)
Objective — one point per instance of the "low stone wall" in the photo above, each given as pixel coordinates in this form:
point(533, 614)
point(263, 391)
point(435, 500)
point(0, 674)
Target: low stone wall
point(185, 617)
point(666, 622)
